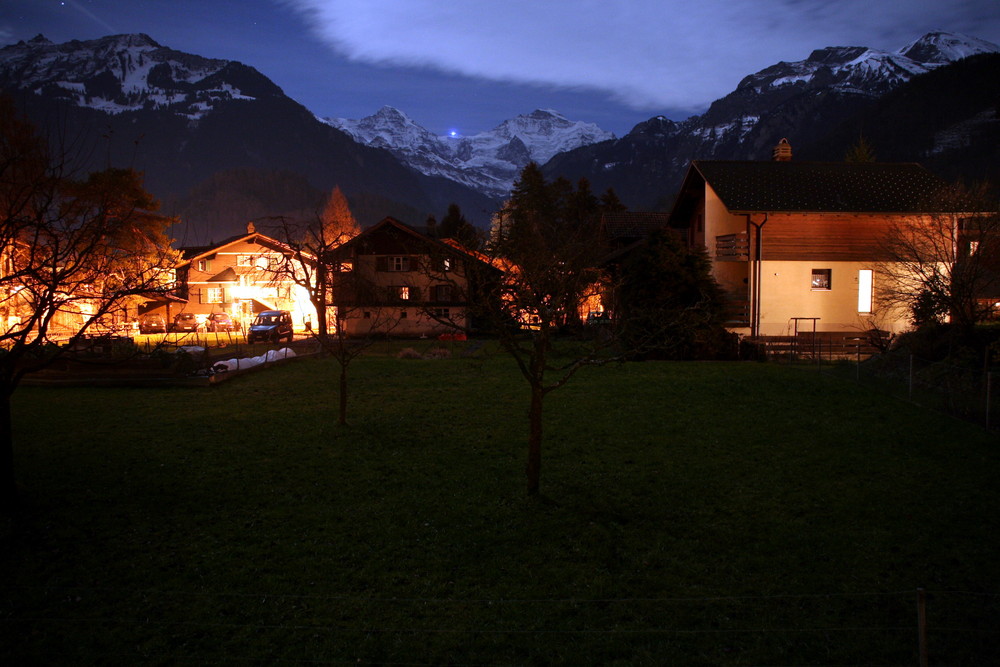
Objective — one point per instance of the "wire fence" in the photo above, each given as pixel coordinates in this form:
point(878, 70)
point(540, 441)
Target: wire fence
point(177, 627)
point(970, 391)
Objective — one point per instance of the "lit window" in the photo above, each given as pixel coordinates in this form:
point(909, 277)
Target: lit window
point(402, 293)
point(244, 260)
point(213, 295)
point(821, 279)
point(204, 265)
point(865, 291)
point(446, 264)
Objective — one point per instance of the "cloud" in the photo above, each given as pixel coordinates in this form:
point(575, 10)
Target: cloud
point(646, 53)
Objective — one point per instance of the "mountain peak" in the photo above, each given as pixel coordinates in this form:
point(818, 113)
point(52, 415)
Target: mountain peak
point(128, 72)
point(940, 47)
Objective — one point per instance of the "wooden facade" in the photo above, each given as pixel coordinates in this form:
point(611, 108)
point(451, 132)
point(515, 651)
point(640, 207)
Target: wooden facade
point(397, 281)
point(241, 276)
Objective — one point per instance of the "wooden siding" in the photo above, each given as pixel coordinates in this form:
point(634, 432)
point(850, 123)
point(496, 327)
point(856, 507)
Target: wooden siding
point(825, 236)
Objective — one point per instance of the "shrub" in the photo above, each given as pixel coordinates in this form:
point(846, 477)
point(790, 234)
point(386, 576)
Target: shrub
point(409, 353)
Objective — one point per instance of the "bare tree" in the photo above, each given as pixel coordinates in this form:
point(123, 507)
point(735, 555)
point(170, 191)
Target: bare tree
point(547, 240)
point(944, 265)
point(337, 292)
point(73, 250)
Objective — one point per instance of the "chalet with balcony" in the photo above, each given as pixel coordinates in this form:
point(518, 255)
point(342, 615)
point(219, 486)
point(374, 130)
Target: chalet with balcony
point(240, 276)
point(396, 281)
point(795, 245)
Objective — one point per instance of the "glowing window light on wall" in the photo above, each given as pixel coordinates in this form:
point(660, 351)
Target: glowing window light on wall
point(865, 291)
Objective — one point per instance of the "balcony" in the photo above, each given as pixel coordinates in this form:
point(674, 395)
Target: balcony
point(732, 247)
point(736, 310)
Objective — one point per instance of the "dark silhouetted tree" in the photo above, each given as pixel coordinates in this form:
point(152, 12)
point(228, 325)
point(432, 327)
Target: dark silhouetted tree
point(72, 250)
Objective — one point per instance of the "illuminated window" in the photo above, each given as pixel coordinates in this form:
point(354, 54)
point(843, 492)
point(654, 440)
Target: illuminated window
point(865, 291)
point(244, 260)
point(213, 295)
point(204, 265)
point(821, 279)
point(401, 292)
point(446, 264)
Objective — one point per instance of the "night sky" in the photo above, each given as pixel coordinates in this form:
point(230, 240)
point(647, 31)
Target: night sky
point(468, 65)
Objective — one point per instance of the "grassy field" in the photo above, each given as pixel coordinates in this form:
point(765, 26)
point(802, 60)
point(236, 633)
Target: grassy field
point(693, 513)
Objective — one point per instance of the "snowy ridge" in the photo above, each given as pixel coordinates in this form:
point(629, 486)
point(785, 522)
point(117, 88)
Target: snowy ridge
point(868, 71)
point(845, 70)
point(488, 161)
point(126, 73)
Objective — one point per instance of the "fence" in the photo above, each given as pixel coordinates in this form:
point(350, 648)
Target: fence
point(914, 627)
point(970, 392)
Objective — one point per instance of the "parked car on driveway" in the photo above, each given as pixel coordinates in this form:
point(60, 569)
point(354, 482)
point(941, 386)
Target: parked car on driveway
point(221, 322)
point(152, 323)
point(185, 322)
point(271, 325)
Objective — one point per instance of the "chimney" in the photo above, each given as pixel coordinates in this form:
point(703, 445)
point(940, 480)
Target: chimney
point(782, 152)
point(250, 228)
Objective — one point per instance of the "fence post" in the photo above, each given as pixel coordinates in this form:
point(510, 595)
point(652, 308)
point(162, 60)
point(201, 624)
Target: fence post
point(922, 625)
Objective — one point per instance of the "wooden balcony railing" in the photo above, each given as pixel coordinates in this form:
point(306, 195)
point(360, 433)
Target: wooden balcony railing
point(732, 247)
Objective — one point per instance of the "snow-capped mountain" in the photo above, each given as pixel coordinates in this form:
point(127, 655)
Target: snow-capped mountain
point(218, 142)
point(129, 73)
point(801, 101)
point(488, 161)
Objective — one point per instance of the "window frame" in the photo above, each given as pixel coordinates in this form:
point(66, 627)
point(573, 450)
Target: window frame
point(821, 280)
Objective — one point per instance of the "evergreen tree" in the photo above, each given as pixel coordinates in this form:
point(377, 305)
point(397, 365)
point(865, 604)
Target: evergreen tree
point(454, 226)
point(861, 151)
point(668, 304)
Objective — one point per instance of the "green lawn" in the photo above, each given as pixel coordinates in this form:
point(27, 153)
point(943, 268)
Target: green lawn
point(693, 513)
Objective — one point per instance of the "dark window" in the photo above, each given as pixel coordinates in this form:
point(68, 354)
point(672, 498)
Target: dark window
point(441, 293)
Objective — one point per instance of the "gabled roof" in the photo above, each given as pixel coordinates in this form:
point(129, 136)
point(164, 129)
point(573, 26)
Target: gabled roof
point(448, 246)
point(193, 253)
point(843, 187)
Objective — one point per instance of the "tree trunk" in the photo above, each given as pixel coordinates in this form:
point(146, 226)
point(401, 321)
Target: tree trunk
point(534, 470)
point(343, 394)
point(8, 483)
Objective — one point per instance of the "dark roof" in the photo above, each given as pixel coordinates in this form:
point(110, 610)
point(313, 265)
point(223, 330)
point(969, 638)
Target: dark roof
point(860, 187)
point(388, 223)
point(632, 225)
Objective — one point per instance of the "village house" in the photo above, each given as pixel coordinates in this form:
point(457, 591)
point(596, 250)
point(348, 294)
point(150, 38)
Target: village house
point(397, 281)
point(240, 276)
point(796, 245)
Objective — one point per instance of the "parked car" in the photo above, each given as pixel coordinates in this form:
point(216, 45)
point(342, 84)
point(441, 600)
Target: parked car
point(221, 322)
point(152, 323)
point(271, 325)
point(185, 322)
